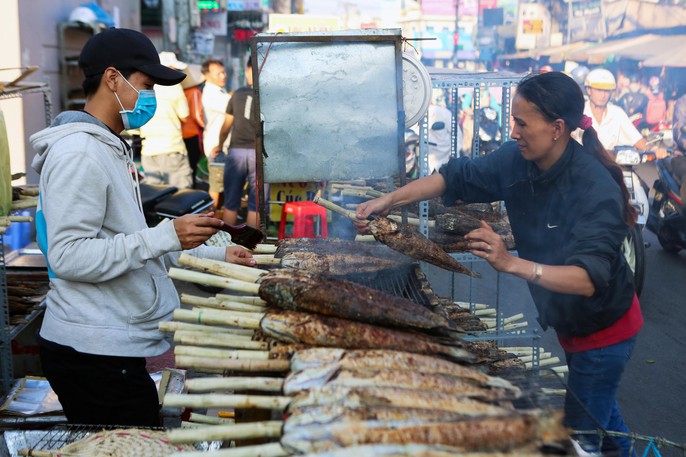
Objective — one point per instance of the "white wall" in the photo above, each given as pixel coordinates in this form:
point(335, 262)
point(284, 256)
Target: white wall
point(12, 108)
point(28, 33)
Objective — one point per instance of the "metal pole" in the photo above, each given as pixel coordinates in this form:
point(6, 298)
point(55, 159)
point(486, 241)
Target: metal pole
point(456, 36)
point(169, 24)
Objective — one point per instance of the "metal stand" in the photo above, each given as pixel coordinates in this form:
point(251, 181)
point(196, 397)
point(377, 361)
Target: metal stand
point(6, 370)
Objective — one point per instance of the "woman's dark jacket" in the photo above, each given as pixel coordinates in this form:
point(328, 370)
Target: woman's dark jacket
point(571, 214)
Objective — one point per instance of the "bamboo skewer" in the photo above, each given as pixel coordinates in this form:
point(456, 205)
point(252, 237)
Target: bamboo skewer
point(248, 365)
point(485, 312)
point(173, 326)
point(247, 299)
point(335, 208)
point(266, 259)
point(213, 280)
point(264, 249)
point(217, 304)
point(219, 317)
point(266, 429)
point(226, 269)
point(234, 383)
point(260, 450)
point(222, 340)
point(544, 362)
point(196, 351)
point(205, 419)
point(272, 402)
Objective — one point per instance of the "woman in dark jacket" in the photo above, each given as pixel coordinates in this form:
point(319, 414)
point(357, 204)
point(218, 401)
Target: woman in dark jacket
point(569, 211)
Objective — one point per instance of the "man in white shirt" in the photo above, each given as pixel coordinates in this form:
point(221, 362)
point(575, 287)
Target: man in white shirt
point(610, 121)
point(214, 100)
point(164, 156)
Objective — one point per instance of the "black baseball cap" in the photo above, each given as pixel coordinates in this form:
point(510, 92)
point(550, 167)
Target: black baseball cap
point(126, 49)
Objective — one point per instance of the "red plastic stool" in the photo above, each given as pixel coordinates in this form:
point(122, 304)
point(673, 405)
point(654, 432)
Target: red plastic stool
point(309, 220)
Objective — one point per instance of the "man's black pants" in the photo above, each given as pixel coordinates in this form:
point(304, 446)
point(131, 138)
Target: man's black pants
point(100, 390)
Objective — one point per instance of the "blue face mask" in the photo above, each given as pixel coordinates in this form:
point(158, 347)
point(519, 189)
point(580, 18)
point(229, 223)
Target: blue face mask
point(145, 108)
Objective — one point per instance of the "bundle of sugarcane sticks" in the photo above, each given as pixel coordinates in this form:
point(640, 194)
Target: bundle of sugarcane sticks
point(343, 373)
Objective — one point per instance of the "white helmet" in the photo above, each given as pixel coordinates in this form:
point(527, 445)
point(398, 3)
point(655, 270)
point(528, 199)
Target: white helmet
point(84, 15)
point(601, 78)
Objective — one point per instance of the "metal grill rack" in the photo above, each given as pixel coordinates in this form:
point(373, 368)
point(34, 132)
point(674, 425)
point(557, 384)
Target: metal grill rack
point(60, 436)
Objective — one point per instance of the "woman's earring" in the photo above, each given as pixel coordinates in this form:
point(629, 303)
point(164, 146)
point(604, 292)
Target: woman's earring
point(554, 138)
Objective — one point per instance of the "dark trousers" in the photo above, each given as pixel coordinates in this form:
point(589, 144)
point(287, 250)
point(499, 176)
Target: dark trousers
point(194, 153)
point(591, 400)
point(679, 169)
point(100, 390)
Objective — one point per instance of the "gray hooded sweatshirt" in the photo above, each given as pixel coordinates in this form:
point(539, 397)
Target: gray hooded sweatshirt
point(108, 271)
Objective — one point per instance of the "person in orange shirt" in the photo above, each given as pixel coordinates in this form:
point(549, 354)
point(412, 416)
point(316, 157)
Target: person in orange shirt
point(192, 127)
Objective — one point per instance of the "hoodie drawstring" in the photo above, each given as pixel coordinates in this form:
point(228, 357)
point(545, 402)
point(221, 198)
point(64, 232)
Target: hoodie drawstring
point(134, 181)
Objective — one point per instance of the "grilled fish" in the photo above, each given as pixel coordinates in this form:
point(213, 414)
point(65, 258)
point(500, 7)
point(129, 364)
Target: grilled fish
point(415, 450)
point(336, 413)
point(492, 433)
point(337, 264)
point(318, 330)
point(407, 240)
point(355, 397)
point(393, 360)
point(324, 246)
point(333, 375)
point(303, 291)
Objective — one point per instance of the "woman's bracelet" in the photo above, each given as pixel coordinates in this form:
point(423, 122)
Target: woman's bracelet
point(537, 272)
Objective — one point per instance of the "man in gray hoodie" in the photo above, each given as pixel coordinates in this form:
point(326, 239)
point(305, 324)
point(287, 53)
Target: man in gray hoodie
point(109, 287)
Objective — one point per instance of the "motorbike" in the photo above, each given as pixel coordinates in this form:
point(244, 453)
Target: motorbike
point(633, 247)
point(666, 219)
point(412, 165)
point(489, 130)
point(168, 202)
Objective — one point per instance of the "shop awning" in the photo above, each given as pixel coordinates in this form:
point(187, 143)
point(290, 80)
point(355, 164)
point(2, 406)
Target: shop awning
point(668, 57)
point(637, 48)
point(555, 54)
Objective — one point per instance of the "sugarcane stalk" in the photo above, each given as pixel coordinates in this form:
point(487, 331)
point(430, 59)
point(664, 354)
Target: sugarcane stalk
point(218, 340)
point(23, 203)
point(205, 419)
point(213, 280)
point(172, 326)
point(29, 191)
point(218, 304)
point(196, 351)
point(247, 299)
point(264, 249)
point(35, 453)
point(229, 270)
point(234, 383)
point(260, 450)
point(265, 429)
point(274, 402)
point(7, 220)
point(210, 317)
point(248, 365)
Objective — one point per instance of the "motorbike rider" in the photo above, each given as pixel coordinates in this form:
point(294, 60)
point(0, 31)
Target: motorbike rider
point(611, 122)
point(678, 162)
